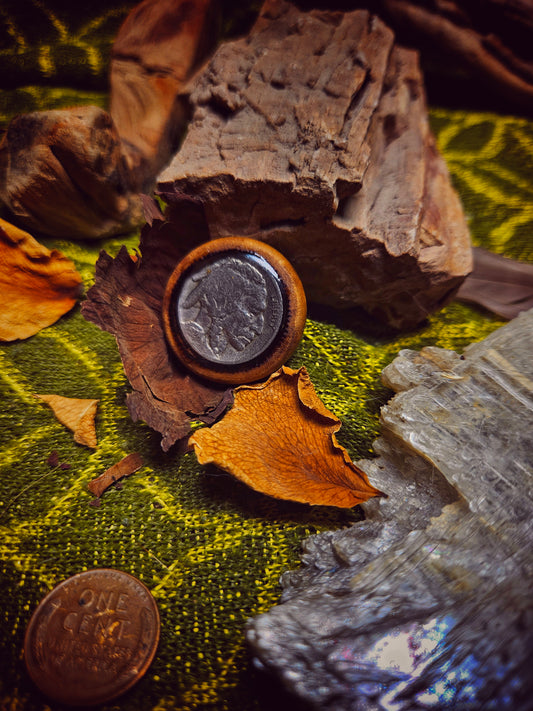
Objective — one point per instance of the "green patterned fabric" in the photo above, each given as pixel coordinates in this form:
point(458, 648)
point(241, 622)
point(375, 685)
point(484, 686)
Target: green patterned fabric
point(210, 550)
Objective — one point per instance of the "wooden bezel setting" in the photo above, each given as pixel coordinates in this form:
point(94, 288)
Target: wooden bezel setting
point(288, 335)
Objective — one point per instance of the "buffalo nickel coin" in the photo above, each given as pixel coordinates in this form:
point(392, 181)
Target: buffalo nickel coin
point(234, 310)
point(230, 309)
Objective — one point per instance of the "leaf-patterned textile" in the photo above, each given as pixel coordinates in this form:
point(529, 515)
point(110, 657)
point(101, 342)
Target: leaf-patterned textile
point(210, 550)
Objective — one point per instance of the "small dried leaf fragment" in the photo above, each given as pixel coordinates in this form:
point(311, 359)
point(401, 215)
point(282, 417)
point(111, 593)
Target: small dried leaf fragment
point(53, 459)
point(130, 464)
point(38, 286)
point(77, 414)
point(279, 438)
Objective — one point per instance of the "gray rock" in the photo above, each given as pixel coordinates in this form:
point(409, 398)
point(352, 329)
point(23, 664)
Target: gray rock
point(427, 603)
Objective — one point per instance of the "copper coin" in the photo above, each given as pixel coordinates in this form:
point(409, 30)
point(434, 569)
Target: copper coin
point(234, 310)
point(92, 637)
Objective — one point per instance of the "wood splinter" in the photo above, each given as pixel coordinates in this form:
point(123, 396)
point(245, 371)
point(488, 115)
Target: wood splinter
point(128, 465)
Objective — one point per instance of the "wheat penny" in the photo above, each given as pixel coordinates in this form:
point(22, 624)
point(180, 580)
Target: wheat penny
point(92, 637)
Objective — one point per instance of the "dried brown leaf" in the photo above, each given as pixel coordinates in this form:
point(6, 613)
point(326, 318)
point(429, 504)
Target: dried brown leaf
point(38, 286)
point(76, 414)
point(130, 464)
point(279, 438)
point(501, 285)
point(127, 301)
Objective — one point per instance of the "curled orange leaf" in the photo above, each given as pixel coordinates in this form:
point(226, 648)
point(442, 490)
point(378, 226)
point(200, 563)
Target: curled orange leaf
point(279, 438)
point(38, 286)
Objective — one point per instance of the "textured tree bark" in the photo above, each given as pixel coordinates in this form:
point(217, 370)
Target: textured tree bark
point(312, 135)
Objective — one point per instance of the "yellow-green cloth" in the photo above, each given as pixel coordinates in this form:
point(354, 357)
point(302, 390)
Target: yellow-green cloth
point(210, 550)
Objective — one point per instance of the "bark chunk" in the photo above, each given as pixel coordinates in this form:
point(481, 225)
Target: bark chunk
point(63, 173)
point(312, 135)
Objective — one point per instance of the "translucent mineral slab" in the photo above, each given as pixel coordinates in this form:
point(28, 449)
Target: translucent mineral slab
point(427, 603)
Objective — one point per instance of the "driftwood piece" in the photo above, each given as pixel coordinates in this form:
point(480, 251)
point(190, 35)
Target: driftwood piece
point(490, 41)
point(312, 135)
point(156, 50)
point(77, 173)
point(63, 173)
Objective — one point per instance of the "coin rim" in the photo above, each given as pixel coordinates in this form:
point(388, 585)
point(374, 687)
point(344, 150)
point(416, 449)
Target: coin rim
point(109, 696)
point(285, 342)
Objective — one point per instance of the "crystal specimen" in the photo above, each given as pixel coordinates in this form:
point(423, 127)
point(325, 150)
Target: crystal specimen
point(427, 603)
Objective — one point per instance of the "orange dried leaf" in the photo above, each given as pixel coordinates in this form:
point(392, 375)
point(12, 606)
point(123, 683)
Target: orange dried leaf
point(76, 414)
point(130, 464)
point(279, 438)
point(38, 286)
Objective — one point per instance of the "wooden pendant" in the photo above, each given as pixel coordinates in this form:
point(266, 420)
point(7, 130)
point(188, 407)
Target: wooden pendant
point(234, 310)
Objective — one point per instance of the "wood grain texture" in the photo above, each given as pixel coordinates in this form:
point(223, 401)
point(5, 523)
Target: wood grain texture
point(63, 173)
point(156, 50)
point(491, 42)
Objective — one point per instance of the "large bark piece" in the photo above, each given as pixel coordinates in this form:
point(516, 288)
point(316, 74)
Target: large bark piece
point(312, 135)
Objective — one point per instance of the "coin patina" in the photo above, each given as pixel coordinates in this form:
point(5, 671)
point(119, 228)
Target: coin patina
point(234, 310)
point(92, 637)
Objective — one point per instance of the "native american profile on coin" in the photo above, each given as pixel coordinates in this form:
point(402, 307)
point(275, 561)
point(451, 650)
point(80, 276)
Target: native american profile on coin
point(228, 300)
point(234, 310)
